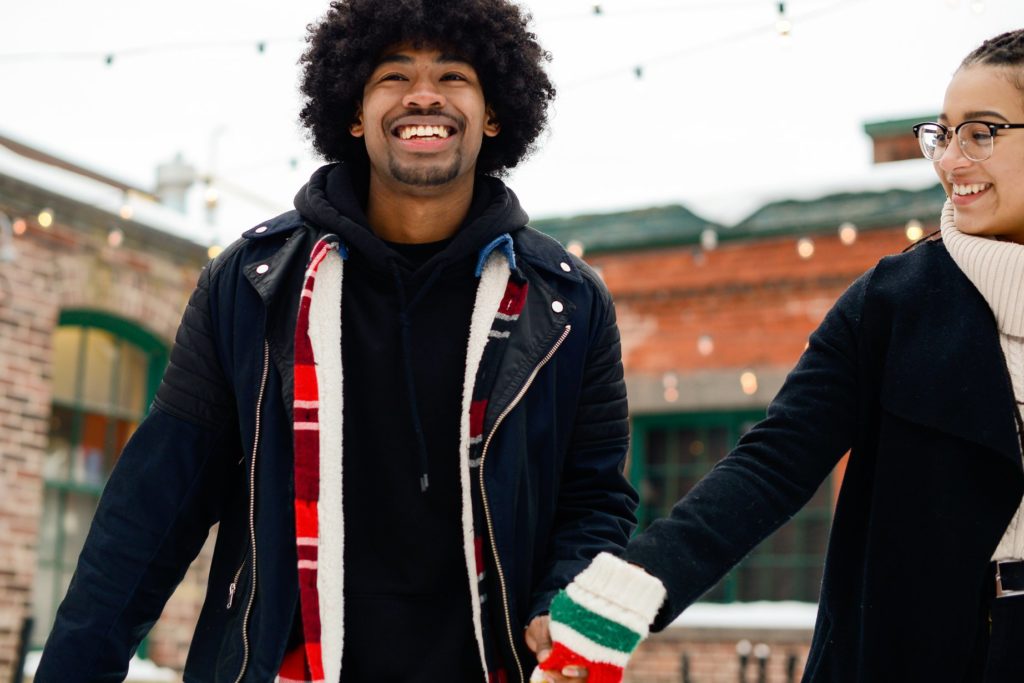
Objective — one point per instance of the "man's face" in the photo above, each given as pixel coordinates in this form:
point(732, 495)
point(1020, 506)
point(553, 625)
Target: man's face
point(423, 117)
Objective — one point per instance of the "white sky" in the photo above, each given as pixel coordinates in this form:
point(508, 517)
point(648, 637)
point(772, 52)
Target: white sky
point(727, 115)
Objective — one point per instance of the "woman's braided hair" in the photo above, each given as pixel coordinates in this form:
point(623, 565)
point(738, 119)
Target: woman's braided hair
point(492, 35)
point(1006, 49)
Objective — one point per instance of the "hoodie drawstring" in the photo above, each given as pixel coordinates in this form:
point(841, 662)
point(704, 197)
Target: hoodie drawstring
point(405, 309)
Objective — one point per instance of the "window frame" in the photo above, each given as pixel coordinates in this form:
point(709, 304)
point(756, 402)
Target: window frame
point(156, 351)
point(763, 557)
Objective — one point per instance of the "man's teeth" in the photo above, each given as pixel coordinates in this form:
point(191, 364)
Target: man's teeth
point(406, 132)
point(973, 188)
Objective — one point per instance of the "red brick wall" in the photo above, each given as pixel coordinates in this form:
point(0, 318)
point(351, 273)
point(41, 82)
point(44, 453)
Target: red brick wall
point(712, 656)
point(69, 266)
point(757, 299)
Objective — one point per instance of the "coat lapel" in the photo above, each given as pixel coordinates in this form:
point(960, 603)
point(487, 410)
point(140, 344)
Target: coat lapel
point(944, 367)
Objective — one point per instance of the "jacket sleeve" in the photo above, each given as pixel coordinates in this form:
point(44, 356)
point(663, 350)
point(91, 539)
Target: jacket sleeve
point(154, 515)
point(772, 472)
point(596, 504)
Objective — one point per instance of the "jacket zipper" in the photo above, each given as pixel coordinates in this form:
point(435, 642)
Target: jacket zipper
point(483, 492)
point(252, 518)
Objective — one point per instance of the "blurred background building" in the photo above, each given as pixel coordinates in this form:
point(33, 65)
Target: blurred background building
point(95, 273)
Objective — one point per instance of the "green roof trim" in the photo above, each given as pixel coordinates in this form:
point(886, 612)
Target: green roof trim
point(866, 210)
point(894, 127)
point(638, 229)
point(678, 226)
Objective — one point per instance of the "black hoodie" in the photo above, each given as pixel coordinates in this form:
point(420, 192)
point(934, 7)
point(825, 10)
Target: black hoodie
point(405, 327)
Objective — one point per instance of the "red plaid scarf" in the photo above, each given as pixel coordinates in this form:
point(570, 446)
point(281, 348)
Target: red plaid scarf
point(318, 485)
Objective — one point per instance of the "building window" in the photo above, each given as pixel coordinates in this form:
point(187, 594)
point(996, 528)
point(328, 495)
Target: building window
point(670, 453)
point(105, 372)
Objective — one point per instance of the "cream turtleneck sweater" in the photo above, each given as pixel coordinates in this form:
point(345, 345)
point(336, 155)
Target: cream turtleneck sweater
point(996, 269)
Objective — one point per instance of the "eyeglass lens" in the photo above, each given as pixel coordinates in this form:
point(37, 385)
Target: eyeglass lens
point(975, 140)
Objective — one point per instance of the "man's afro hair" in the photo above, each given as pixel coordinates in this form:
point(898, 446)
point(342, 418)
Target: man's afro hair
point(492, 35)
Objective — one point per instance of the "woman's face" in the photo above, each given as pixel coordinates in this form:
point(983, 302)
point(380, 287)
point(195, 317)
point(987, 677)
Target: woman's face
point(988, 196)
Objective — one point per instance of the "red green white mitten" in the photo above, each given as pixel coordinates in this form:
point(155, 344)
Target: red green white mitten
point(601, 617)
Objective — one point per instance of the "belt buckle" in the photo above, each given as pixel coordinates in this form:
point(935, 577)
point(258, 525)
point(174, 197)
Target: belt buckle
point(1000, 592)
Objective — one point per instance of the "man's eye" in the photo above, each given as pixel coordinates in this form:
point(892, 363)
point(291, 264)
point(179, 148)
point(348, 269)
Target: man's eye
point(453, 77)
point(392, 77)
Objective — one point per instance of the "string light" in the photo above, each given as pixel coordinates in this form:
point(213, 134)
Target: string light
point(709, 239)
point(670, 383)
point(20, 226)
point(748, 383)
point(45, 218)
point(214, 251)
point(978, 6)
point(705, 345)
point(782, 24)
point(847, 233)
point(805, 247)
point(211, 197)
point(115, 238)
point(127, 211)
point(914, 230)
point(575, 247)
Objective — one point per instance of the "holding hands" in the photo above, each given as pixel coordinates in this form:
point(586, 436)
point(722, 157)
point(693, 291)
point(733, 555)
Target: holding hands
point(596, 622)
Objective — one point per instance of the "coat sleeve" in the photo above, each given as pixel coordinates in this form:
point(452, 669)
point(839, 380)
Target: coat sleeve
point(772, 472)
point(596, 504)
point(154, 515)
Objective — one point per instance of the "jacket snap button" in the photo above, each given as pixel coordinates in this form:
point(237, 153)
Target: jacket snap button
point(565, 266)
point(262, 268)
point(262, 229)
point(557, 306)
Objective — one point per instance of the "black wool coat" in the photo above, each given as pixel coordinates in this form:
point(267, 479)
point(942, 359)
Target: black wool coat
point(907, 372)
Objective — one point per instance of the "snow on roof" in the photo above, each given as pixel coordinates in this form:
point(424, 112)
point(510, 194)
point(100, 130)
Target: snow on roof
point(749, 615)
point(105, 197)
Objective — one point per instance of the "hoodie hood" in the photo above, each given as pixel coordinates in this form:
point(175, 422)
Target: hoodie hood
point(334, 200)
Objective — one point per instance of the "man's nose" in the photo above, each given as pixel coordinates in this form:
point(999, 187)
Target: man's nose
point(423, 94)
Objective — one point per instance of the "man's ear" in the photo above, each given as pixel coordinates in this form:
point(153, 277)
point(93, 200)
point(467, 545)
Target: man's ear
point(356, 127)
point(491, 124)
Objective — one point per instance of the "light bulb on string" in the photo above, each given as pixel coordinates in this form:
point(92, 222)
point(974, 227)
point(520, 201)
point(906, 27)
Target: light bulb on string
point(748, 383)
point(45, 218)
point(115, 238)
point(914, 230)
point(709, 239)
point(847, 233)
point(19, 226)
point(805, 247)
point(978, 6)
point(782, 25)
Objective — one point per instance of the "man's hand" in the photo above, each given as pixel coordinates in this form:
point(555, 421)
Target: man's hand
point(599, 619)
point(538, 639)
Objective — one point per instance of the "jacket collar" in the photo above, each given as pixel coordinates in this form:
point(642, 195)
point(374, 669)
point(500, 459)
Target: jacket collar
point(945, 367)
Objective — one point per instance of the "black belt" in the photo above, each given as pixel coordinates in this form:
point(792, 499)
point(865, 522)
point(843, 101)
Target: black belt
point(1009, 578)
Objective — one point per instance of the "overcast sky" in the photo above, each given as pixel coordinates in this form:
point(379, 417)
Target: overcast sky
point(727, 114)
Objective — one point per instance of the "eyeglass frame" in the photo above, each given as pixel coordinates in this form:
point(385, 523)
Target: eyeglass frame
point(993, 128)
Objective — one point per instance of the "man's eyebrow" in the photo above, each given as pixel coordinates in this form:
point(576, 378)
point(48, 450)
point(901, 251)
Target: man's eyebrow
point(399, 58)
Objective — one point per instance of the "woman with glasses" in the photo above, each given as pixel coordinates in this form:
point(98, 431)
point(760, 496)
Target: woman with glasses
point(918, 371)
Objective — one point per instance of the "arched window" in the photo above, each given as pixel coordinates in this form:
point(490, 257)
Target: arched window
point(105, 372)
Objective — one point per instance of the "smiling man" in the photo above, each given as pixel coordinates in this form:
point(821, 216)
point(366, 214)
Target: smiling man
point(403, 406)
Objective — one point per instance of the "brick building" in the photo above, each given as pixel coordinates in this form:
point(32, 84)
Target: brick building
point(93, 282)
point(712, 318)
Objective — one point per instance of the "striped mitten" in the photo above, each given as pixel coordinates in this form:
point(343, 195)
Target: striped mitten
point(600, 618)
